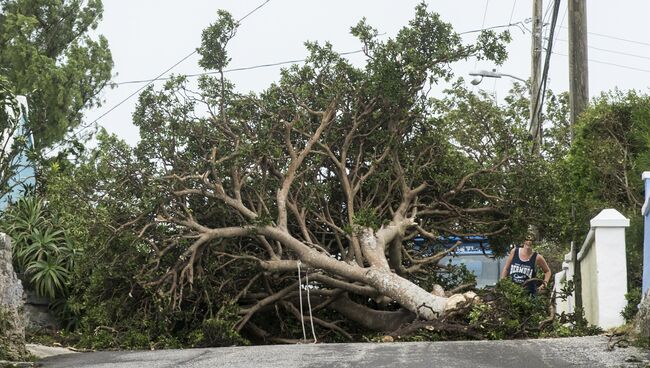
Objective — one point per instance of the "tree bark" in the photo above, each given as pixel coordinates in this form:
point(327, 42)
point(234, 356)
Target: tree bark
point(372, 319)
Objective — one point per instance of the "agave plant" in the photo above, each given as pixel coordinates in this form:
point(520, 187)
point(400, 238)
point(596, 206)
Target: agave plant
point(41, 244)
point(49, 277)
point(20, 222)
point(42, 249)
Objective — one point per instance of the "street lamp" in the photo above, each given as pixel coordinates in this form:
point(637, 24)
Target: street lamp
point(480, 74)
point(534, 129)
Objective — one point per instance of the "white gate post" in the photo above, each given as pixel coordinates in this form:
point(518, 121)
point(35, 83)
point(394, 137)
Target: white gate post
point(605, 277)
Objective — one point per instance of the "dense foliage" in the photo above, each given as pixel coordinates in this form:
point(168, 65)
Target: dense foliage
point(46, 52)
point(603, 169)
point(195, 236)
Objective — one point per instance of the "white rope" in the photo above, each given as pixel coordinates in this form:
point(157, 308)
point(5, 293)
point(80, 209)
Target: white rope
point(302, 319)
point(311, 318)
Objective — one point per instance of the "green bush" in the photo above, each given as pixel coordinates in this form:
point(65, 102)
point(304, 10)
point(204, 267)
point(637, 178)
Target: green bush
point(633, 298)
point(510, 312)
point(219, 332)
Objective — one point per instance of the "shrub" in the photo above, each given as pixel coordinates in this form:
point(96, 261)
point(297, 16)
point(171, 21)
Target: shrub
point(633, 298)
point(510, 312)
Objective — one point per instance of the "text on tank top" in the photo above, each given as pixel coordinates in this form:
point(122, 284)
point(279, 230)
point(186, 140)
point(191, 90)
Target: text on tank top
point(522, 271)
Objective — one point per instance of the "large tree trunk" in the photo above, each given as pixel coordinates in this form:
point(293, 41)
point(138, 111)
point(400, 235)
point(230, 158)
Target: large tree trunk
point(406, 293)
point(385, 321)
point(409, 295)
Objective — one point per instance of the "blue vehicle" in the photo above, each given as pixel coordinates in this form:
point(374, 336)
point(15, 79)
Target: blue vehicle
point(477, 245)
point(474, 252)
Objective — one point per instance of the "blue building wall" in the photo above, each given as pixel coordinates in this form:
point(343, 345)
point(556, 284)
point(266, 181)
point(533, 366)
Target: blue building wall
point(645, 211)
point(25, 173)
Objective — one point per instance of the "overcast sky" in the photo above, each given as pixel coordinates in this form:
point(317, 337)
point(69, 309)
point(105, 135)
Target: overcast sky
point(147, 37)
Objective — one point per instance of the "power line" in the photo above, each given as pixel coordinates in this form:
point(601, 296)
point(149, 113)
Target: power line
point(539, 101)
point(259, 66)
point(515, 24)
point(546, 12)
point(252, 11)
point(487, 4)
point(617, 38)
point(611, 51)
point(160, 77)
point(512, 12)
point(608, 63)
point(566, 10)
point(147, 84)
point(607, 50)
point(290, 61)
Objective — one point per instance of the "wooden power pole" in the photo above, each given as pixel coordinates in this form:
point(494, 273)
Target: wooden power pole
point(578, 96)
point(536, 76)
point(578, 63)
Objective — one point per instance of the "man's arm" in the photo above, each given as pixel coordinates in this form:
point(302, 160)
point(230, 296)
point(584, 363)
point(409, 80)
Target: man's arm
point(506, 267)
point(541, 262)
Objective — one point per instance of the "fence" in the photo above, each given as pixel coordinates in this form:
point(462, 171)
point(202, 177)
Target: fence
point(603, 271)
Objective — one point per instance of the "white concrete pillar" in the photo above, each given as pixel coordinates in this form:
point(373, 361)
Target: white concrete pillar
point(610, 287)
point(570, 272)
point(561, 305)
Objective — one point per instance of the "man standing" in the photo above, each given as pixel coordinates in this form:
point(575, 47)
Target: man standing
point(521, 266)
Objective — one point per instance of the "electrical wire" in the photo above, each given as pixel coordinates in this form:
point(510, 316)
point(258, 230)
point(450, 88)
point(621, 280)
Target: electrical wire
point(596, 61)
point(512, 12)
point(539, 99)
point(259, 66)
point(509, 25)
point(252, 11)
point(617, 38)
point(160, 77)
point(494, 85)
point(608, 63)
point(487, 4)
point(611, 51)
point(516, 24)
point(86, 126)
point(566, 10)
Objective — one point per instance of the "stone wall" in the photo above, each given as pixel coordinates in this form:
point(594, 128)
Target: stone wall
point(642, 321)
point(12, 323)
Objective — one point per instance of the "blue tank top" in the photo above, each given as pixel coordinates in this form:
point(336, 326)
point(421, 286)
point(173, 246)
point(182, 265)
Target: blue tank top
point(521, 271)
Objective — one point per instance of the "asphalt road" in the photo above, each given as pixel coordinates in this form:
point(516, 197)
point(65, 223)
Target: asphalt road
point(569, 352)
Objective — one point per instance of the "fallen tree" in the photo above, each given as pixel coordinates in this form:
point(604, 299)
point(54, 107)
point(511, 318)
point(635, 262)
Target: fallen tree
point(230, 202)
point(332, 168)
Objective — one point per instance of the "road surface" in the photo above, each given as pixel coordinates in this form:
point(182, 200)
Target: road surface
point(569, 352)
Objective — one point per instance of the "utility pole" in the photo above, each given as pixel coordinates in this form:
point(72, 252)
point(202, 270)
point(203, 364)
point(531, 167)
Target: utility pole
point(578, 96)
point(578, 63)
point(535, 130)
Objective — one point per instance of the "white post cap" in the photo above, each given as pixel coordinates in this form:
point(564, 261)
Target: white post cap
point(610, 217)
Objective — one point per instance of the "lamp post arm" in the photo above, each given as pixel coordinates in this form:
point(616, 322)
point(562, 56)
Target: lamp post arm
point(513, 77)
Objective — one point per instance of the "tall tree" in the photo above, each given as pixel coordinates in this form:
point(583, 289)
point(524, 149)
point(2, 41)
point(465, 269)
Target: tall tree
point(604, 166)
point(47, 52)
